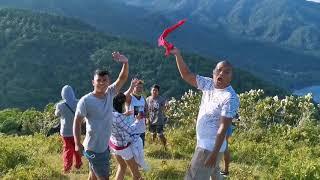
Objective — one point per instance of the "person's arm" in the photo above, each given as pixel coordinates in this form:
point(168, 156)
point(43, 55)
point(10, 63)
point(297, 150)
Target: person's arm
point(224, 124)
point(185, 73)
point(146, 109)
point(147, 113)
point(123, 75)
point(164, 105)
point(130, 90)
point(80, 114)
point(77, 133)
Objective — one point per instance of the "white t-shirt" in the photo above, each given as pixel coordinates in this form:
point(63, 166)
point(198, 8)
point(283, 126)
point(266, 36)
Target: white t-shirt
point(98, 113)
point(214, 104)
point(139, 105)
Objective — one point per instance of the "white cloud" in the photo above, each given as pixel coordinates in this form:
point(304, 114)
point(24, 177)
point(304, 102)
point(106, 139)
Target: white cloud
point(317, 1)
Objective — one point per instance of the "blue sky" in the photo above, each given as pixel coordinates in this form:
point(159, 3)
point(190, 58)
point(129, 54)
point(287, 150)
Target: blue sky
point(318, 1)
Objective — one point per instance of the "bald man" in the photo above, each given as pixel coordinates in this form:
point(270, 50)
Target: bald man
point(219, 104)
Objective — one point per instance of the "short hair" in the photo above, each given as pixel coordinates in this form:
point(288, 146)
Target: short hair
point(118, 102)
point(225, 62)
point(140, 82)
point(101, 72)
point(156, 86)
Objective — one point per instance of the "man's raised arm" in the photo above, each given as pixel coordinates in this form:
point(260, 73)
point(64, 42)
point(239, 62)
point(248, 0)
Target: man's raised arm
point(128, 92)
point(185, 73)
point(123, 75)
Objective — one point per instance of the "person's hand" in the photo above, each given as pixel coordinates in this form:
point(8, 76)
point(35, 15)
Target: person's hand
point(140, 116)
point(175, 51)
point(119, 57)
point(134, 82)
point(211, 161)
point(79, 148)
point(128, 113)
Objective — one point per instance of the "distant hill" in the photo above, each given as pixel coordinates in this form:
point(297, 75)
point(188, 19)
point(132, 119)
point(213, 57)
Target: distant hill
point(39, 53)
point(277, 40)
point(293, 23)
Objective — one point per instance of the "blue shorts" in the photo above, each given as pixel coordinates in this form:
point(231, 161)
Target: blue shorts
point(229, 130)
point(99, 162)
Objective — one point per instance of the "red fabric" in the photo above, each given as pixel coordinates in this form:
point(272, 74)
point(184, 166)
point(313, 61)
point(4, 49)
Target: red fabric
point(118, 148)
point(68, 154)
point(162, 39)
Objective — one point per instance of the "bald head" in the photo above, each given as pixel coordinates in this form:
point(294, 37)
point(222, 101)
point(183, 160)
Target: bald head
point(224, 63)
point(222, 74)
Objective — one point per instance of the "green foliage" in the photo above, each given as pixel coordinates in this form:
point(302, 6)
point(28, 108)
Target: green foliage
point(25, 157)
point(40, 53)
point(268, 143)
point(30, 121)
point(271, 45)
point(263, 112)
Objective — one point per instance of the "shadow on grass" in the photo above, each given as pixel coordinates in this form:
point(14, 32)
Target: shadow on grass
point(166, 172)
point(165, 154)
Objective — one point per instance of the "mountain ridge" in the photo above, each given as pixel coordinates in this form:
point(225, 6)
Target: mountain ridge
point(40, 53)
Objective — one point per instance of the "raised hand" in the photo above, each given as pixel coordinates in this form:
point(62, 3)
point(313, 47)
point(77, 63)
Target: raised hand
point(175, 51)
point(119, 57)
point(134, 82)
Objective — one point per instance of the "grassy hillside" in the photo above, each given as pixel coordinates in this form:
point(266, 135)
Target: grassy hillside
point(39, 53)
point(275, 139)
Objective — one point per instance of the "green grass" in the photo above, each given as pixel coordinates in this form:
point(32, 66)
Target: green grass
point(38, 157)
point(260, 148)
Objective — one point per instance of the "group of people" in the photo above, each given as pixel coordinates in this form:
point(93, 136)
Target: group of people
point(116, 121)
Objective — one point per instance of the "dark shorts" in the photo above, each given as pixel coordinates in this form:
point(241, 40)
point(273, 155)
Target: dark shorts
point(99, 163)
point(197, 169)
point(156, 129)
point(143, 137)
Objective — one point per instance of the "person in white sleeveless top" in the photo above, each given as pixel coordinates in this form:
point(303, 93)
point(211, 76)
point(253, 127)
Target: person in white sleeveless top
point(136, 101)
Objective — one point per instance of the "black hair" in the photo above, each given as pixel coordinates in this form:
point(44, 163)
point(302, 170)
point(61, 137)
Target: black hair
point(118, 102)
point(156, 86)
point(101, 72)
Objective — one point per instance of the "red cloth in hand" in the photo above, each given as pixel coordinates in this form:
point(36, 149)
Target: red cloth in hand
point(162, 39)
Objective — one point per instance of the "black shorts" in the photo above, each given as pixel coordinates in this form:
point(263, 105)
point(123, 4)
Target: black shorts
point(156, 129)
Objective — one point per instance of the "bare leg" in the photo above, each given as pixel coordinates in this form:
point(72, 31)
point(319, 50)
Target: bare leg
point(163, 140)
point(92, 176)
point(227, 159)
point(154, 136)
point(122, 166)
point(136, 175)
